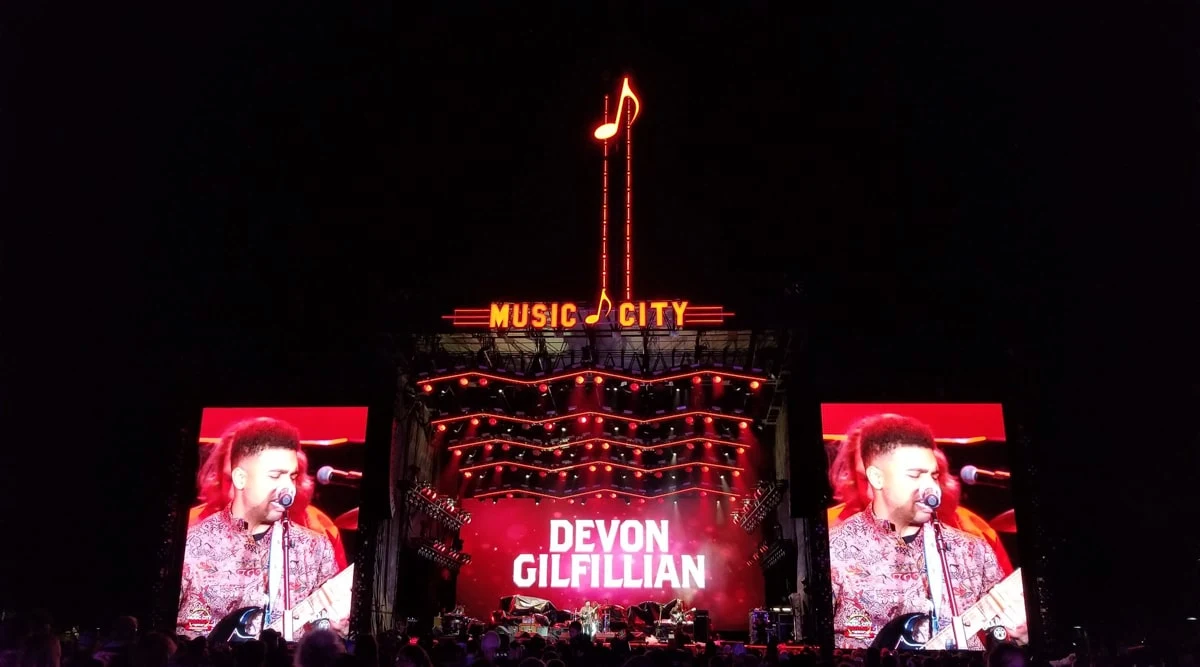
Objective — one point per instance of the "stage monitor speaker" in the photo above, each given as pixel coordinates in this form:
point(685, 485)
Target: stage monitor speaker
point(700, 629)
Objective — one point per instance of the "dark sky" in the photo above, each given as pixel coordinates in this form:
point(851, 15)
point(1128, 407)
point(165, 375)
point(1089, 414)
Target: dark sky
point(238, 197)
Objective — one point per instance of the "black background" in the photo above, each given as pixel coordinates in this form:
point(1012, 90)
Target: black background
point(227, 197)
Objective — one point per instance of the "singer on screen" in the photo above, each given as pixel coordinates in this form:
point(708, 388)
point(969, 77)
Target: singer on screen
point(884, 559)
point(233, 558)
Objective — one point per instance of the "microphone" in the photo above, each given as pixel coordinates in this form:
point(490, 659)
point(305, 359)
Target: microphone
point(931, 497)
point(973, 475)
point(285, 499)
point(327, 474)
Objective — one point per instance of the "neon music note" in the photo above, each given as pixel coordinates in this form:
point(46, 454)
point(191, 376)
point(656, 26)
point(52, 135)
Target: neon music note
point(609, 130)
point(604, 301)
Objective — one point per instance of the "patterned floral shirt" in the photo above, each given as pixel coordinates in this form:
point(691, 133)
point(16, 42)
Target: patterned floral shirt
point(225, 568)
point(877, 576)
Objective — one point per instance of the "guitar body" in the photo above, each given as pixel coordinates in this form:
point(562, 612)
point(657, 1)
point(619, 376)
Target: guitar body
point(1002, 606)
point(328, 608)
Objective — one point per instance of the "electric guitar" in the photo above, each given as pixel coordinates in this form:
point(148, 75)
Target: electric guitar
point(327, 608)
point(677, 614)
point(1003, 606)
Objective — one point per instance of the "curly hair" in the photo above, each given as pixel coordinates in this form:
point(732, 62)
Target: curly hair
point(214, 480)
point(879, 434)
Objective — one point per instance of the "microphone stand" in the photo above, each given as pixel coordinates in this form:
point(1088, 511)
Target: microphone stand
point(960, 633)
point(286, 524)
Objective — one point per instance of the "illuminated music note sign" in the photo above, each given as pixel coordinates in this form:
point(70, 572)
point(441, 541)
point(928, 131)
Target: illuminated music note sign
point(602, 309)
point(609, 130)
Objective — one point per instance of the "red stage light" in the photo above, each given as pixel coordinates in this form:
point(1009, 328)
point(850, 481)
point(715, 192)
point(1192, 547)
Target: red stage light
point(689, 420)
point(703, 493)
point(607, 468)
point(579, 379)
point(562, 475)
point(641, 501)
point(604, 445)
point(691, 445)
point(505, 447)
point(707, 419)
point(704, 468)
point(696, 379)
point(637, 452)
point(658, 475)
point(716, 379)
point(592, 468)
point(754, 384)
point(483, 382)
point(741, 450)
point(737, 473)
point(488, 447)
point(441, 427)
point(549, 426)
point(463, 382)
point(474, 421)
point(570, 501)
point(612, 495)
point(499, 468)
point(508, 495)
point(466, 473)
point(633, 386)
point(588, 446)
point(583, 419)
point(542, 473)
point(492, 421)
point(599, 379)
point(743, 425)
point(633, 426)
point(707, 445)
point(599, 495)
point(558, 452)
point(543, 387)
point(458, 452)
point(687, 469)
point(427, 388)
point(599, 419)
point(638, 474)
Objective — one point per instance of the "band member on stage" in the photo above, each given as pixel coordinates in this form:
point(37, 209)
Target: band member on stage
point(884, 560)
point(588, 618)
point(235, 557)
point(847, 477)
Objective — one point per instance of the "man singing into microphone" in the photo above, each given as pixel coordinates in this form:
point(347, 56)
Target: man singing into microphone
point(884, 559)
point(235, 557)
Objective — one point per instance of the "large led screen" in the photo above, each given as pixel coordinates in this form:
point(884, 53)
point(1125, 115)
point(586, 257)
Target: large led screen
point(653, 554)
point(922, 535)
point(274, 522)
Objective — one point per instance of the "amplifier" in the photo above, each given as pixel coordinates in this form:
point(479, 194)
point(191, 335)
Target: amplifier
point(531, 628)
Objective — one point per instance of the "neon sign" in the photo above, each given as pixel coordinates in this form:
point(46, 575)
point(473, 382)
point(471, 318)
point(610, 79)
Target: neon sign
point(626, 313)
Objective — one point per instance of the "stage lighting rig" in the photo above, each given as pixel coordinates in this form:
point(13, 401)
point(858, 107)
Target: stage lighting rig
point(441, 554)
point(424, 498)
point(766, 498)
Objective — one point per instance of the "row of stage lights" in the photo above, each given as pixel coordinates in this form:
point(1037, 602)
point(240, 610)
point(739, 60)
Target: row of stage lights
point(441, 554)
point(584, 420)
point(767, 497)
point(594, 467)
point(638, 450)
point(597, 378)
point(423, 497)
point(627, 498)
point(768, 556)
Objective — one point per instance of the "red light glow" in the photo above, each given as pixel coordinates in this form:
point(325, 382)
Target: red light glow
point(583, 419)
point(707, 419)
point(607, 468)
point(633, 386)
point(441, 428)
point(463, 382)
point(483, 382)
point(474, 421)
point(591, 468)
point(579, 379)
point(427, 388)
point(467, 474)
point(743, 425)
point(689, 420)
point(599, 419)
point(754, 384)
point(549, 426)
point(599, 379)
point(543, 387)
point(458, 452)
point(609, 375)
point(492, 421)
point(716, 379)
point(696, 379)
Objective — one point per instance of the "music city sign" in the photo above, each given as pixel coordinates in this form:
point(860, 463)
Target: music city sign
point(606, 554)
point(568, 315)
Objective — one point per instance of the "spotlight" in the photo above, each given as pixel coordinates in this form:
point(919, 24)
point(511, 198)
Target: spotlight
point(458, 452)
point(591, 468)
point(599, 379)
point(743, 425)
point(741, 450)
point(441, 428)
point(716, 379)
point(754, 384)
point(607, 468)
point(562, 475)
point(696, 379)
point(689, 421)
point(579, 379)
point(462, 382)
point(704, 468)
point(492, 421)
point(588, 446)
point(633, 426)
point(737, 473)
point(583, 419)
point(707, 445)
point(549, 426)
point(543, 387)
point(474, 421)
point(427, 388)
point(483, 382)
point(604, 445)
point(599, 419)
point(467, 474)
point(633, 386)
point(499, 468)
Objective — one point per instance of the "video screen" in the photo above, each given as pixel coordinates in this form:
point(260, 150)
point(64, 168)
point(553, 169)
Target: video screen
point(638, 563)
point(272, 534)
point(922, 535)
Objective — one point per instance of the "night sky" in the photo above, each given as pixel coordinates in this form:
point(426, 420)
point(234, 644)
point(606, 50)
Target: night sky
point(226, 201)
